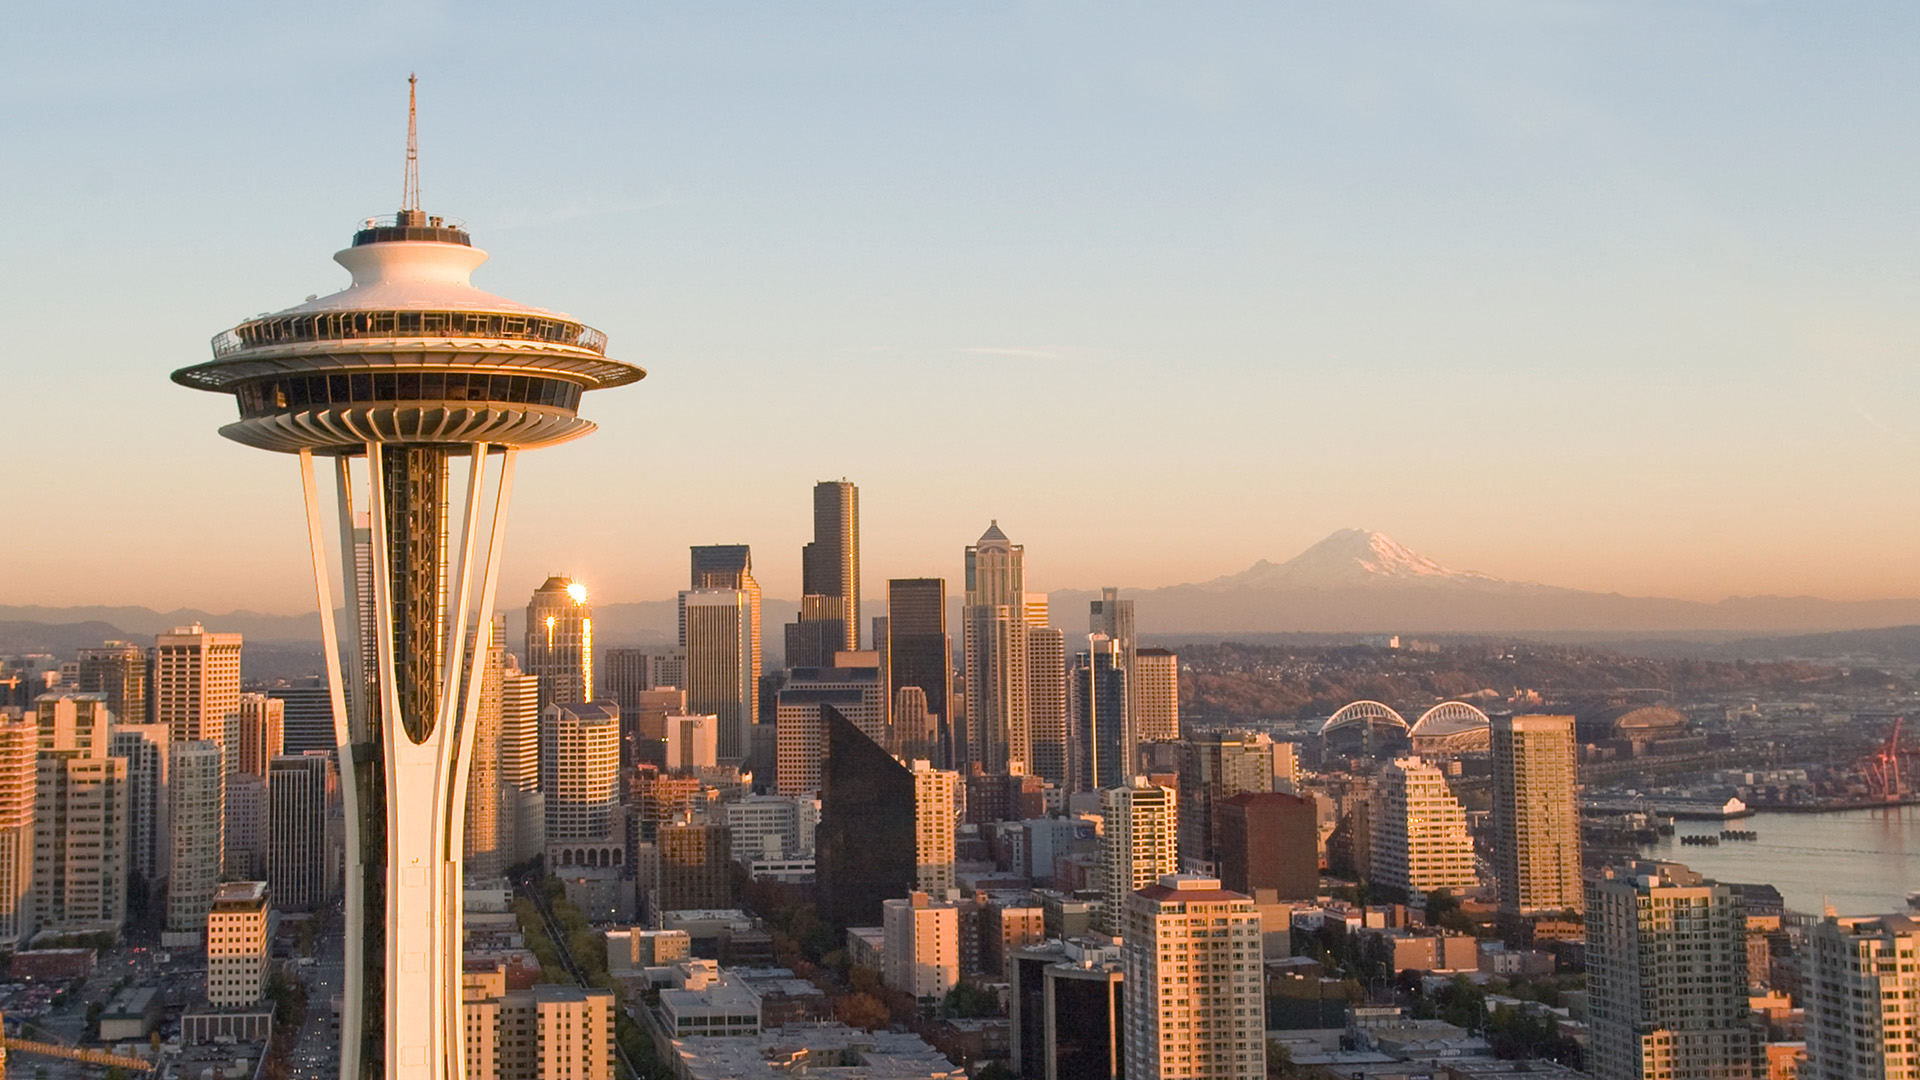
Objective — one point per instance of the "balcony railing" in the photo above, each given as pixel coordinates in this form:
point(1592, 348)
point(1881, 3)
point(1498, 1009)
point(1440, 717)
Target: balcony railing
point(360, 325)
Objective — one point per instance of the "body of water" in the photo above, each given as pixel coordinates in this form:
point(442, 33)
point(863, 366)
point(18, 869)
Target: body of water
point(1862, 862)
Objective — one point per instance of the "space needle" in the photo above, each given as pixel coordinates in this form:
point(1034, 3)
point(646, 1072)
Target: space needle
point(416, 385)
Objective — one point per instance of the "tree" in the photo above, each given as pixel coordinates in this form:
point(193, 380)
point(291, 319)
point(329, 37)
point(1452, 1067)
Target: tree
point(966, 1001)
point(862, 1011)
point(1279, 1060)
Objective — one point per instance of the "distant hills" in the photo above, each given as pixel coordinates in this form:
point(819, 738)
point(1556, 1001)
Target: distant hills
point(1356, 581)
point(1352, 582)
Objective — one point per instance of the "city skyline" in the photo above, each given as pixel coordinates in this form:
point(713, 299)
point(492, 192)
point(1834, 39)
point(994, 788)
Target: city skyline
point(1566, 279)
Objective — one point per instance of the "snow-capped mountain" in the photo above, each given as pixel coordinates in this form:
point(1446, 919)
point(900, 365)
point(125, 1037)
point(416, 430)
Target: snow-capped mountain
point(1357, 581)
point(1350, 558)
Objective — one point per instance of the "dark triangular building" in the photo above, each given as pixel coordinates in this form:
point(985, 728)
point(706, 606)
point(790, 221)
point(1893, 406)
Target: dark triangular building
point(864, 846)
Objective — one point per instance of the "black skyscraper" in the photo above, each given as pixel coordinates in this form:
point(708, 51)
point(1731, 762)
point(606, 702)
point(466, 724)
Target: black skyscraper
point(864, 843)
point(919, 653)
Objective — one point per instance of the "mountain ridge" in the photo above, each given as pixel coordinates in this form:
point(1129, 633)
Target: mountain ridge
point(1353, 581)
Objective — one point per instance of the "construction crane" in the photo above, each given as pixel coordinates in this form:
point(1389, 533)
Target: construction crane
point(1883, 766)
point(12, 1045)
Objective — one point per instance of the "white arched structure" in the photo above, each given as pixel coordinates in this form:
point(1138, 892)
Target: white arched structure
point(1451, 727)
point(1364, 712)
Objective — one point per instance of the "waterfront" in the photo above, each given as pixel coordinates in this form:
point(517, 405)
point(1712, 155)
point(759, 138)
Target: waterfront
point(1863, 862)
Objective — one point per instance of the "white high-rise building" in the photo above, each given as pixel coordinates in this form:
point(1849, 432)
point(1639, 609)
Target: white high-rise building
point(719, 666)
point(145, 746)
point(70, 720)
point(1139, 843)
point(1156, 690)
point(196, 687)
point(936, 808)
point(196, 805)
point(520, 731)
point(80, 841)
point(1862, 998)
point(237, 944)
point(521, 819)
point(580, 769)
point(1667, 976)
point(1195, 1001)
point(415, 392)
point(18, 773)
point(1536, 814)
point(1420, 841)
point(922, 952)
point(999, 738)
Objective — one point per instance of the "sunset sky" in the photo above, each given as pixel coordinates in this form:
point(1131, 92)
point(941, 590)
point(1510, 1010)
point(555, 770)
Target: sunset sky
point(1618, 296)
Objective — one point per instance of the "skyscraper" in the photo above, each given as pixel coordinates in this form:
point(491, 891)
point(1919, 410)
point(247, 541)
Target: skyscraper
point(430, 383)
point(1047, 697)
point(1156, 684)
point(308, 724)
point(18, 768)
point(1215, 766)
point(145, 748)
point(560, 641)
point(866, 844)
point(998, 739)
point(725, 566)
point(73, 721)
point(720, 677)
point(855, 692)
point(920, 654)
point(1420, 841)
point(1214, 1024)
point(117, 669)
point(1137, 843)
point(196, 808)
point(520, 730)
point(297, 831)
point(1667, 976)
point(486, 854)
point(1113, 617)
point(1102, 758)
point(263, 732)
point(936, 821)
point(80, 841)
point(196, 688)
point(1863, 999)
point(580, 769)
point(1536, 815)
point(830, 564)
point(243, 827)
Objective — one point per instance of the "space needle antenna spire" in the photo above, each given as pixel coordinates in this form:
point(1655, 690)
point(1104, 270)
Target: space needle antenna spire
point(410, 198)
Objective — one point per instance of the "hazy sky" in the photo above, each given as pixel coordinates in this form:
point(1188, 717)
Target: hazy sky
point(1620, 296)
